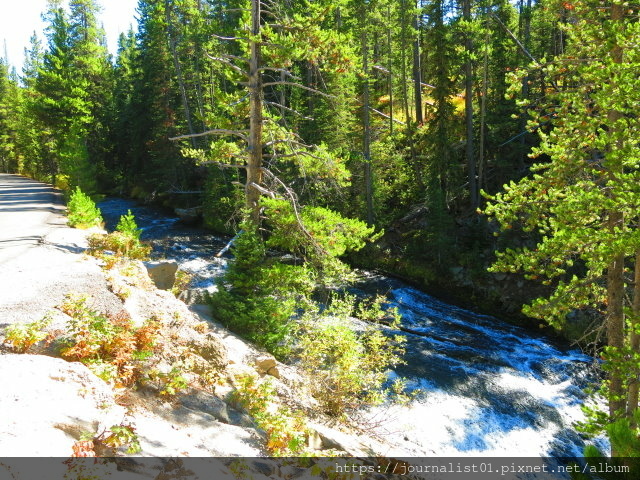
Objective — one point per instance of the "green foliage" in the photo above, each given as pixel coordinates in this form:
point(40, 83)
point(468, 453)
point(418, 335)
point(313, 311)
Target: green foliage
point(119, 243)
point(128, 227)
point(83, 212)
point(170, 383)
point(121, 436)
point(580, 201)
point(111, 346)
point(285, 429)
point(316, 234)
point(181, 282)
point(257, 298)
point(10, 108)
point(124, 242)
point(624, 436)
point(23, 336)
point(348, 363)
point(222, 200)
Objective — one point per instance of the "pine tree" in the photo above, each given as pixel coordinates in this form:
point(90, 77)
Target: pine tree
point(73, 95)
point(10, 105)
point(33, 134)
point(582, 204)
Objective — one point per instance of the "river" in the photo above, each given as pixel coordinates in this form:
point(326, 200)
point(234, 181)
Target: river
point(487, 388)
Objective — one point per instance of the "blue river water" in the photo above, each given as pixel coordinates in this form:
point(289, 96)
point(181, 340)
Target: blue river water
point(486, 387)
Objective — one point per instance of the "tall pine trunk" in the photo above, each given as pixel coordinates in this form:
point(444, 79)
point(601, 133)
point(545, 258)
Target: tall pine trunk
point(468, 108)
point(615, 272)
point(634, 342)
point(368, 175)
point(417, 70)
point(254, 163)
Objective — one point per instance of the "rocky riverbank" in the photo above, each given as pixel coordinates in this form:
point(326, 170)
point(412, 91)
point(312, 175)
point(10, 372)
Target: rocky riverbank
point(55, 407)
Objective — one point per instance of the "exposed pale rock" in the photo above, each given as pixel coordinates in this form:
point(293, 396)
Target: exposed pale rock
point(47, 403)
point(332, 438)
point(264, 363)
point(162, 272)
point(170, 430)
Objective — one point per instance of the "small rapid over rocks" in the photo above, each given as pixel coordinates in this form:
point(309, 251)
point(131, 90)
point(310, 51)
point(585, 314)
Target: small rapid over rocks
point(484, 387)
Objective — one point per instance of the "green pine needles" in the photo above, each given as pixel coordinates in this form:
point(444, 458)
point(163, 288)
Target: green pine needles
point(276, 304)
point(580, 204)
point(128, 226)
point(83, 212)
point(124, 242)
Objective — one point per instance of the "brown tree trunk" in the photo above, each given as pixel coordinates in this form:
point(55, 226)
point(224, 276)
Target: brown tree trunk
point(525, 88)
point(417, 71)
point(615, 272)
point(368, 175)
point(468, 110)
point(483, 108)
point(634, 341)
point(403, 49)
point(390, 67)
point(176, 65)
point(254, 161)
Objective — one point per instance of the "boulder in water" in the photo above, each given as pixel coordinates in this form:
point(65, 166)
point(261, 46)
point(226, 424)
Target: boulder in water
point(189, 215)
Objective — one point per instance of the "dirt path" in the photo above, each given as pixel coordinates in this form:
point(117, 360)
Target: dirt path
point(39, 261)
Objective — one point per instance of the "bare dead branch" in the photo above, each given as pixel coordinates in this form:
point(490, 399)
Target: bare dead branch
point(386, 116)
point(274, 104)
point(515, 39)
point(281, 70)
point(386, 70)
point(230, 64)
point(215, 131)
point(317, 247)
point(220, 37)
point(235, 57)
point(288, 140)
point(223, 165)
point(294, 84)
point(295, 154)
point(238, 102)
point(262, 190)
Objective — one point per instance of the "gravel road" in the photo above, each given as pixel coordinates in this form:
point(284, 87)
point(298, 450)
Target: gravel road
point(41, 258)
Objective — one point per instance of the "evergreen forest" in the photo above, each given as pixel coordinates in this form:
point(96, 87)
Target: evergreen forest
point(484, 150)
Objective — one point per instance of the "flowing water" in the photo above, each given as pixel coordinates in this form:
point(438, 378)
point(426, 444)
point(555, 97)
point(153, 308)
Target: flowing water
point(486, 388)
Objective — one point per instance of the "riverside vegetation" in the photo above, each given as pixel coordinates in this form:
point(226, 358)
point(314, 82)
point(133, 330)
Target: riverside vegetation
point(391, 134)
point(345, 366)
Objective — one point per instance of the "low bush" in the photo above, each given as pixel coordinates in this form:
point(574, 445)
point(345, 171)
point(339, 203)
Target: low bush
point(120, 244)
point(169, 383)
point(83, 212)
point(258, 298)
point(127, 226)
point(22, 336)
point(270, 303)
point(111, 347)
point(286, 430)
point(124, 242)
point(348, 362)
point(181, 283)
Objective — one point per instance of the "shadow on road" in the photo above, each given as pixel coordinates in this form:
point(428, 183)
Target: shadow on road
point(32, 209)
point(66, 248)
point(12, 242)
